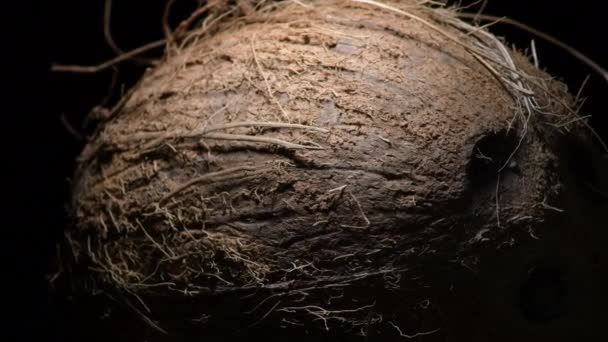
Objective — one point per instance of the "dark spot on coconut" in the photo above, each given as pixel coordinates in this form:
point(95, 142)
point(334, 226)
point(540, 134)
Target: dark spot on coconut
point(166, 94)
point(104, 156)
point(283, 187)
point(490, 154)
point(543, 295)
point(226, 58)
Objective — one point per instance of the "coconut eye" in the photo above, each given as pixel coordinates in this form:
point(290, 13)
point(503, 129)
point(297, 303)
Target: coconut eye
point(490, 154)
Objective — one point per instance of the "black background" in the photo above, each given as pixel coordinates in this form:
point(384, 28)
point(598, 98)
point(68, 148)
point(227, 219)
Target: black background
point(39, 152)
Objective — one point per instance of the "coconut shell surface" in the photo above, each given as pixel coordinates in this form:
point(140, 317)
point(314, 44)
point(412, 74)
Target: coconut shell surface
point(335, 171)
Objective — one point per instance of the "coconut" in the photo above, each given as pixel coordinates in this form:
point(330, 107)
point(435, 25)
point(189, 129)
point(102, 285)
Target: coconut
point(343, 170)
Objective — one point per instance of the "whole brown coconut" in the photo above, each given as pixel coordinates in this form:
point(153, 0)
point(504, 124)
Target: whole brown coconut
point(337, 170)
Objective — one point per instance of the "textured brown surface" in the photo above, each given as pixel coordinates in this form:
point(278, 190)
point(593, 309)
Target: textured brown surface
point(372, 210)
